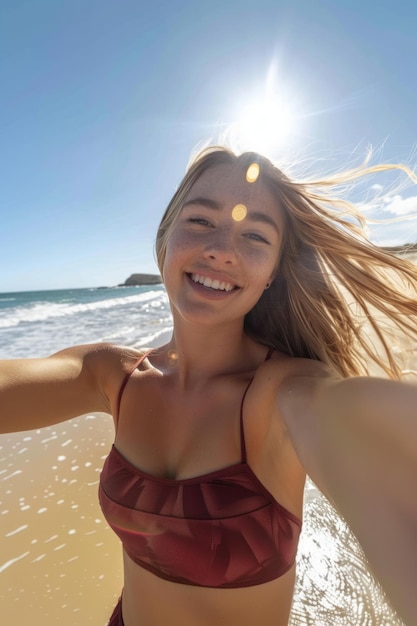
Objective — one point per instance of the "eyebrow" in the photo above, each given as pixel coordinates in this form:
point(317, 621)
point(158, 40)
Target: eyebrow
point(207, 202)
point(252, 216)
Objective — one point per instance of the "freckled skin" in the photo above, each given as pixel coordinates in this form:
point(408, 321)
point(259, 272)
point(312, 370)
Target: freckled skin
point(221, 247)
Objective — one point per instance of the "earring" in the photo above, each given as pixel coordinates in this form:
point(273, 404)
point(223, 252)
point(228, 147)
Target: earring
point(267, 286)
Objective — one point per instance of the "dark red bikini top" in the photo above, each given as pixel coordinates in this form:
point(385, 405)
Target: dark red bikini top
point(223, 529)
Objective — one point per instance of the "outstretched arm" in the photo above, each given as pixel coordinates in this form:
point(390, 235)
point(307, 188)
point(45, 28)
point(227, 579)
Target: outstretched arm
point(357, 439)
point(39, 392)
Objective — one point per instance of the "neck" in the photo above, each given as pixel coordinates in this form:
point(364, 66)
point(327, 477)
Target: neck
point(200, 353)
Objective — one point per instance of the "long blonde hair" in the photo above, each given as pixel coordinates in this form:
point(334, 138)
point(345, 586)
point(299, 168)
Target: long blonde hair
point(333, 285)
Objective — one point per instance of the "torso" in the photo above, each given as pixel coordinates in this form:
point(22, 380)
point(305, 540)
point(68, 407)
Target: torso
point(177, 436)
point(152, 601)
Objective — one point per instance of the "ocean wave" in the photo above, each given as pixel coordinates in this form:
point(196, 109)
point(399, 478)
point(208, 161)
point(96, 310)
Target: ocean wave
point(43, 311)
point(43, 327)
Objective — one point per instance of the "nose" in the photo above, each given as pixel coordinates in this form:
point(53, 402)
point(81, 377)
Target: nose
point(221, 248)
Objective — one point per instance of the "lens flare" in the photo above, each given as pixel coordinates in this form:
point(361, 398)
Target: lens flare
point(239, 212)
point(252, 173)
point(172, 357)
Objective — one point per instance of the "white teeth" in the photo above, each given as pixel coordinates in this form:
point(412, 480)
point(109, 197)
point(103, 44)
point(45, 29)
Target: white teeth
point(213, 284)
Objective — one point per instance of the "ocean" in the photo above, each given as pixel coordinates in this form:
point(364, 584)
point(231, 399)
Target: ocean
point(59, 561)
point(38, 323)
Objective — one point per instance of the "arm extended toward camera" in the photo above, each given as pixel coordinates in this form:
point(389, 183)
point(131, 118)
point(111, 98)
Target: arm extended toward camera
point(357, 440)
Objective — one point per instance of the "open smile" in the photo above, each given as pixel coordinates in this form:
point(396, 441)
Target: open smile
point(210, 283)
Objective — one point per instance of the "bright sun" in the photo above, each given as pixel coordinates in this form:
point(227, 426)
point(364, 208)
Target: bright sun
point(264, 125)
point(267, 122)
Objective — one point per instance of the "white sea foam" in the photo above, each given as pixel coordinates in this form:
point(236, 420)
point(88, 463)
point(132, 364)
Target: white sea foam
point(42, 311)
point(41, 324)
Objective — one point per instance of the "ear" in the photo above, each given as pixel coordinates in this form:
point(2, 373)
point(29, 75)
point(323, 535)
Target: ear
point(273, 274)
point(271, 279)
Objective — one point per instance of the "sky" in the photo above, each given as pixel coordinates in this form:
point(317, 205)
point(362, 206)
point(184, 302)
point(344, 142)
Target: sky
point(102, 102)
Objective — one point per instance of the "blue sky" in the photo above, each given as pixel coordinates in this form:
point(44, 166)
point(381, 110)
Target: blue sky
point(103, 101)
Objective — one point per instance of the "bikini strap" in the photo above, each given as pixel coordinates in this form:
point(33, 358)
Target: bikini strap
point(125, 380)
point(242, 431)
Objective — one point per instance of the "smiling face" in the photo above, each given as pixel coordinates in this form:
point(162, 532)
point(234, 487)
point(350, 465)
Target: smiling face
point(224, 247)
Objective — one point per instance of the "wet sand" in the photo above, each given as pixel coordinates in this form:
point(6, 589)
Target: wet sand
point(334, 585)
point(59, 562)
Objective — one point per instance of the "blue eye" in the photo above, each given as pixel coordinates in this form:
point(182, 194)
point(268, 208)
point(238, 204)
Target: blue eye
point(256, 237)
point(199, 220)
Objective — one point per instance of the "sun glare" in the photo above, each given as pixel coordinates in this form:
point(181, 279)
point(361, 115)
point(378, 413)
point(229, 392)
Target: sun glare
point(264, 125)
point(270, 120)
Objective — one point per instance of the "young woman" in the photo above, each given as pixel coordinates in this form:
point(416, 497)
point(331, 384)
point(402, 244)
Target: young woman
point(265, 377)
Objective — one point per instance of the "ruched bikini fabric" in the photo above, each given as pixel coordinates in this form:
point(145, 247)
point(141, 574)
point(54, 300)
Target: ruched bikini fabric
point(223, 529)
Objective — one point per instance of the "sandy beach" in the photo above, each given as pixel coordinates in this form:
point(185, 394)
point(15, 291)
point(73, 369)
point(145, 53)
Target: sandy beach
point(59, 560)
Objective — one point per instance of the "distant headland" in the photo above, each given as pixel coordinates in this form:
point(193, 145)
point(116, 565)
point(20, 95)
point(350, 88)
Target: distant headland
point(141, 279)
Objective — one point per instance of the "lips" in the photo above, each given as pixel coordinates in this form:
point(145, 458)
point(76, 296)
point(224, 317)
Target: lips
point(217, 285)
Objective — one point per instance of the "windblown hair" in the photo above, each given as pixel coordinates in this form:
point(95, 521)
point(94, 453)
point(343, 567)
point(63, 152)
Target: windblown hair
point(333, 288)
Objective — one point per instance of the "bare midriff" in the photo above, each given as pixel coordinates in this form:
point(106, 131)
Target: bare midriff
point(152, 601)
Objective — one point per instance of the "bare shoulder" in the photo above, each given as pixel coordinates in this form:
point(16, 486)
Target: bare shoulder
point(281, 384)
point(98, 355)
point(107, 363)
point(102, 367)
point(103, 354)
point(292, 385)
point(283, 370)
